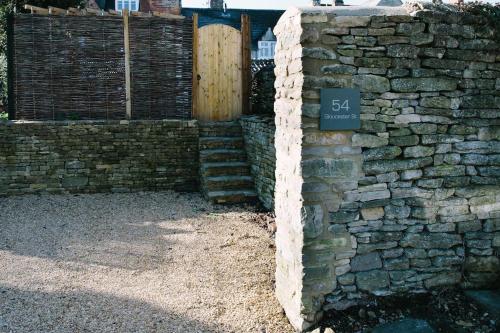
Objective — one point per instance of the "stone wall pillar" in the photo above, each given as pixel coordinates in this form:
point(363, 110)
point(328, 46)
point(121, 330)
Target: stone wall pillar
point(410, 200)
point(313, 169)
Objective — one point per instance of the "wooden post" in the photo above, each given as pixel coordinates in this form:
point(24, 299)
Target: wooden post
point(246, 42)
point(11, 99)
point(194, 97)
point(126, 40)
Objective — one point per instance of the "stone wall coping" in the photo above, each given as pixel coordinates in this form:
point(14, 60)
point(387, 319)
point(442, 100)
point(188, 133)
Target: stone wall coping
point(354, 10)
point(259, 118)
point(188, 123)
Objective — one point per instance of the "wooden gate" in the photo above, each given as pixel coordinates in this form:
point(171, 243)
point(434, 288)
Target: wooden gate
point(221, 71)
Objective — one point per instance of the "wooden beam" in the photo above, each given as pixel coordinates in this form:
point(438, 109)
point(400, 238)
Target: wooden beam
point(36, 10)
point(140, 14)
point(93, 11)
point(74, 11)
point(113, 12)
point(168, 15)
point(57, 11)
point(194, 97)
point(246, 51)
point(126, 42)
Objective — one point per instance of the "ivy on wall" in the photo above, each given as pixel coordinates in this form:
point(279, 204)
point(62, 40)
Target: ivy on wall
point(490, 11)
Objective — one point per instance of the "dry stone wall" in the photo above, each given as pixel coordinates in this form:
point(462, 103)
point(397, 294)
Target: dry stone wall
point(263, 91)
point(86, 157)
point(411, 201)
point(258, 132)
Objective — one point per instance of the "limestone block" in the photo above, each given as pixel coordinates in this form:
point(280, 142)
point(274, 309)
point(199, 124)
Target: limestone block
point(443, 279)
point(319, 53)
point(369, 141)
point(385, 166)
point(410, 28)
point(371, 83)
point(382, 153)
point(366, 262)
point(418, 151)
point(402, 51)
point(350, 21)
point(330, 168)
point(375, 213)
point(423, 84)
point(312, 219)
point(429, 241)
point(372, 280)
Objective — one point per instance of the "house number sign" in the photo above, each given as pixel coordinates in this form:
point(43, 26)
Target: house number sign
point(340, 109)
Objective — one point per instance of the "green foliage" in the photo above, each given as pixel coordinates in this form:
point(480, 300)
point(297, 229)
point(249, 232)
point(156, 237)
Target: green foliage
point(4, 116)
point(490, 11)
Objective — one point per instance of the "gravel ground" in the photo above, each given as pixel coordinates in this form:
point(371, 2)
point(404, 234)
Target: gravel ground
point(149, 262)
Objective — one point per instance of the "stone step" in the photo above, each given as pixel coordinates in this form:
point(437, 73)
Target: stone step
point(220, 129)
point(233, 197)
point(221, 143)
point(225, 168)
point(226, 183)
point(222, 155)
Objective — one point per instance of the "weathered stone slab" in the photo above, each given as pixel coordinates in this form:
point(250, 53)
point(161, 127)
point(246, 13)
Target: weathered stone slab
point(330, 168)
point(385, 166)
point(371, 83)
point(319, 53)
point(382, 153)
point(366, 262)
point(429, 241)
point(368, 141)
point(372, 280)
point(423, 84)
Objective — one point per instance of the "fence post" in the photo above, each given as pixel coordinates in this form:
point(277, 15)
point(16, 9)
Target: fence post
point(11, 100)
point(246, 61)
point(126, 41)
point(194, 97)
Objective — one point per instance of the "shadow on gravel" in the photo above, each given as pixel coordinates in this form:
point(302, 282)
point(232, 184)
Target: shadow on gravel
point(105, 229)
point(58, 312)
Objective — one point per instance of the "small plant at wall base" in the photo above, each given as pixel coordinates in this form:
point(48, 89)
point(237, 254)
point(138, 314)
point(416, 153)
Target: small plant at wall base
point(4, 116)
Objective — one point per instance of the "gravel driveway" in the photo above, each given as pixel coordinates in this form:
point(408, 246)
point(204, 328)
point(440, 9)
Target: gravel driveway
point(149, 262)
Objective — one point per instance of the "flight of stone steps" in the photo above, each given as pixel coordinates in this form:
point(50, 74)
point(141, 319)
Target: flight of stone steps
point(225, 173)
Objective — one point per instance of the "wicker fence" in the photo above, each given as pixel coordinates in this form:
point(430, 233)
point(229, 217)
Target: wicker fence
point(73, 67)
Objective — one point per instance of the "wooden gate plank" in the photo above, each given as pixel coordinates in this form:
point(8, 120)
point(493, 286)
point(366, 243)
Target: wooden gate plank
point(246, 54)
point(219, 64)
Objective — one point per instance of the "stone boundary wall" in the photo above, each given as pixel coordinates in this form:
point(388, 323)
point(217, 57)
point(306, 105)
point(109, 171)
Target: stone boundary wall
point(263, 91)
point(409, 202)
point(93, 156)
point(258, 132)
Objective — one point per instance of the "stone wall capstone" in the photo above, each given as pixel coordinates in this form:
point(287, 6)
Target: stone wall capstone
point(409, 202)
point(93, 156)
point(258, 132)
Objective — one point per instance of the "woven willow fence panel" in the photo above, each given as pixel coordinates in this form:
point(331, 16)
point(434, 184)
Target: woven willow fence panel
point(73, 67)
